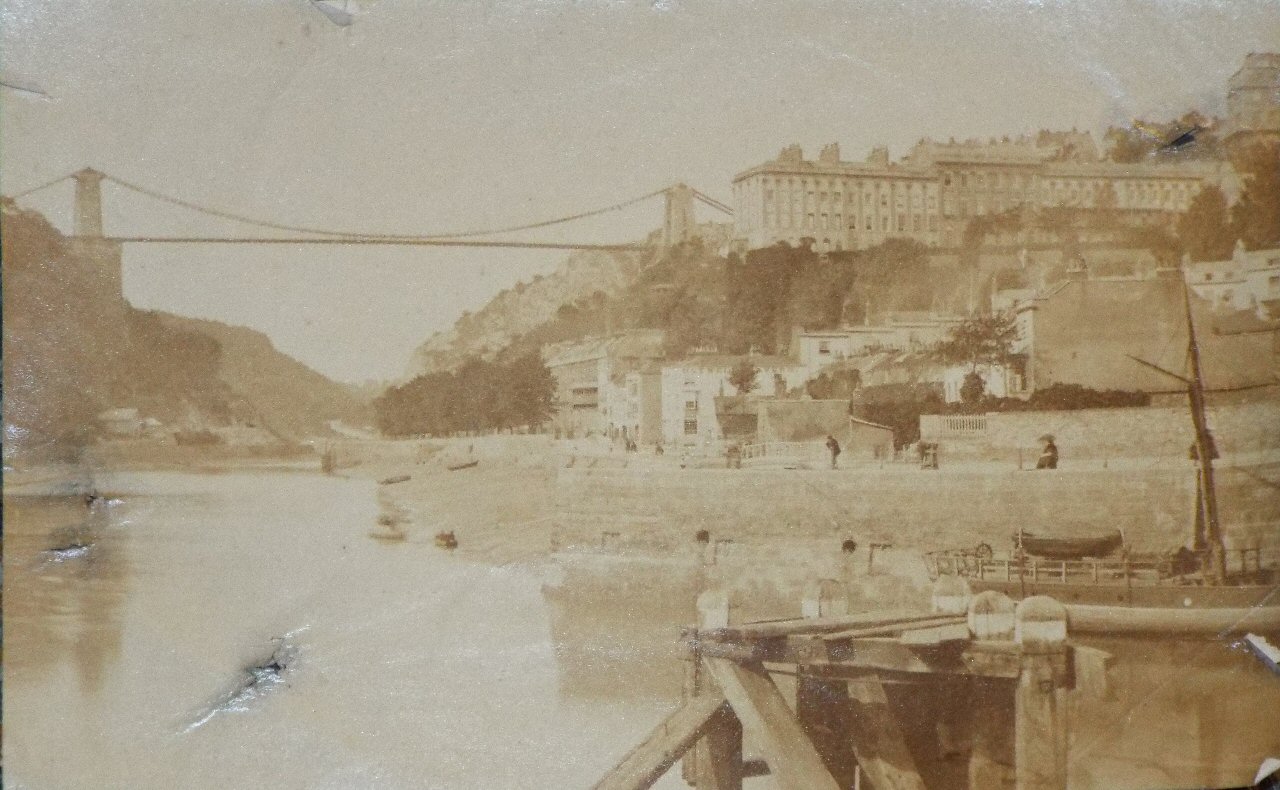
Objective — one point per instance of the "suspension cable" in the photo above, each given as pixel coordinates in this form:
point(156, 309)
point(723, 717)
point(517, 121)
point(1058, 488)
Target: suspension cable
point(712, 202)
point(21, 195)
point(358, 234)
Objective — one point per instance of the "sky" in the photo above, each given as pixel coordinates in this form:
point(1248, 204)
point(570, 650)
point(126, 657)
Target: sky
point(432, 117)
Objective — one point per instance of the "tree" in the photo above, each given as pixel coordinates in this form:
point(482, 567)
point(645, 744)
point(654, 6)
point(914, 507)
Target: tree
point(973, 388)
point(743, 376)
point(1204, 232)
point(1256, 215)
point(983, 339)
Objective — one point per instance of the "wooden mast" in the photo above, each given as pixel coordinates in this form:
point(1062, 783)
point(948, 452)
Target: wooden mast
point(1215, 569)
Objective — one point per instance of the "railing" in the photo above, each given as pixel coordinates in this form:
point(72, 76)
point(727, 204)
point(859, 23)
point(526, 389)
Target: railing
point(964, 423)
point(787, 451)
point(1163, 569)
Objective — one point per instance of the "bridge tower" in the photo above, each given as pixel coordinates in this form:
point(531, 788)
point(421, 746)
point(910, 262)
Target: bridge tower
point(678, 223)
point(101, 257)
point(88, 207)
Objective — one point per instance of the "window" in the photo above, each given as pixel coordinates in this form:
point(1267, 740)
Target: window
point(824, 346)
point(691, 405)
point(691, 427)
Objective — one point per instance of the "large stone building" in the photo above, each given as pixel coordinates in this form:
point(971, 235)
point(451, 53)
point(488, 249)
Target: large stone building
point(935, 191)
point(1089, 332)
point(1253, 101)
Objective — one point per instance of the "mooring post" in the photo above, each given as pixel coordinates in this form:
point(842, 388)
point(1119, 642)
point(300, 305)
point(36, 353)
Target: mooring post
point(992, 713)
point(1040, 629)
point(716, 762)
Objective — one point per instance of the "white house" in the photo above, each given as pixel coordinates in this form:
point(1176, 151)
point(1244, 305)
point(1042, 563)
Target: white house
point(691, 385)
point(898, 332)
point(1245, 281)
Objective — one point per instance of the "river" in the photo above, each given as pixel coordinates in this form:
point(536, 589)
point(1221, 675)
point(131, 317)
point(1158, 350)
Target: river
point(128, 653)
point(243, 630)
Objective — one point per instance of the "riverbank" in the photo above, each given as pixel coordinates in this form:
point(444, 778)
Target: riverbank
point(526, 500)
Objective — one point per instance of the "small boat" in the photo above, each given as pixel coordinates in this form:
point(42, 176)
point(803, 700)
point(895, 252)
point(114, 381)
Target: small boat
point(1069, 548)
point(386, 481)
point(463, 465)
point(389, 535)
point(446, 540)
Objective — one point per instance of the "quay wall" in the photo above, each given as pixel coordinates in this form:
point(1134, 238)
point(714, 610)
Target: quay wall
point(660, 509)
point(1147, 432)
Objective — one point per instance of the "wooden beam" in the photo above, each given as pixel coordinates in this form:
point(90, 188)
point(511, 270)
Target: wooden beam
point(793, 761)
point(719, 763)
point(646, 763)
point(782, 628)
point(878, 742)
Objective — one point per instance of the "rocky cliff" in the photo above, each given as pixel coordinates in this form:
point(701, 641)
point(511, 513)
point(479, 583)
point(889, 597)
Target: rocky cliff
point(74, 348)
point(584, 276)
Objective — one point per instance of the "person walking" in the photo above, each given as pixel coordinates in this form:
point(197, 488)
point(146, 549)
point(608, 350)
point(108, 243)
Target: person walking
point(834, 447)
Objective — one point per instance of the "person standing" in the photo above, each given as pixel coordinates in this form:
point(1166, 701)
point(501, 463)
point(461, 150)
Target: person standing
point(834, 447)
point(1049, 455)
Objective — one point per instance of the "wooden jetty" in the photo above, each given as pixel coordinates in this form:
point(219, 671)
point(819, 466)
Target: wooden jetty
point(972, 695)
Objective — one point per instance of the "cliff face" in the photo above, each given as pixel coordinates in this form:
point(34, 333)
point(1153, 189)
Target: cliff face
point(516, 311)
point(73, 348)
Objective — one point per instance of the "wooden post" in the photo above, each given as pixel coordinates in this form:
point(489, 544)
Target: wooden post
point(879, 743)
point(1040, 730)
point(991, 756)
point(794, 764)
point(716, 762)
point(822, 706)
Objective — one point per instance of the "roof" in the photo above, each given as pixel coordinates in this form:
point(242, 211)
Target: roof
point(870, 424)
point(725, 361)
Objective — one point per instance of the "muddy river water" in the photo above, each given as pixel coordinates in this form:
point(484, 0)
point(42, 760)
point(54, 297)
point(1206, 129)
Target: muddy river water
point(244, 630)
point(133, 627)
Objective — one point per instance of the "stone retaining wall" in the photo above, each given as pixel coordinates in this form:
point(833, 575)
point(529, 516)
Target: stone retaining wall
point(1152, 432)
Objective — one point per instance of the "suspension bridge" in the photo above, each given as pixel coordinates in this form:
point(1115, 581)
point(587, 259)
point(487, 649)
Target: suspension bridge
point(678, 223)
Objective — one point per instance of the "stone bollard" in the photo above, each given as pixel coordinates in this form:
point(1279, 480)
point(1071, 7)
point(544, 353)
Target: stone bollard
point(1040, 738)
point(950, 595)
point(1041, 623)
point(824, 598)
point(715, 762)
point(991, 616)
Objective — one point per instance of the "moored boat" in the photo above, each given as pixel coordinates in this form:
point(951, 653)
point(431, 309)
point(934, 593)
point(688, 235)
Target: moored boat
point(1070, 548)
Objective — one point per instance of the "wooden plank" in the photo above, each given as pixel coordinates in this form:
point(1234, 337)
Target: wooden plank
point(878, 741)
point(793, 761)
point(933, 621)
point(781, 628)
point(646, 763)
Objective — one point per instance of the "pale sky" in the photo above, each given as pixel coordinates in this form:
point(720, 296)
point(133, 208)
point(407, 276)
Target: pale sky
point(427, 117)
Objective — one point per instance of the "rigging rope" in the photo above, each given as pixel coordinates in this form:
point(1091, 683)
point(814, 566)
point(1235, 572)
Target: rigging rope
point(356, 234)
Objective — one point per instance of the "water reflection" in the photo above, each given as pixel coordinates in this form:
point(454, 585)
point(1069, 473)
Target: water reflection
point(66, 577)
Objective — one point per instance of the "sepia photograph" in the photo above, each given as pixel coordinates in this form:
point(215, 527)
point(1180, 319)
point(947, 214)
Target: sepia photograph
point(616, 394)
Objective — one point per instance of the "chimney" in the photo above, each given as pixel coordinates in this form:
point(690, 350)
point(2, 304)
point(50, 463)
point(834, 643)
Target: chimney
point(830, 154)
